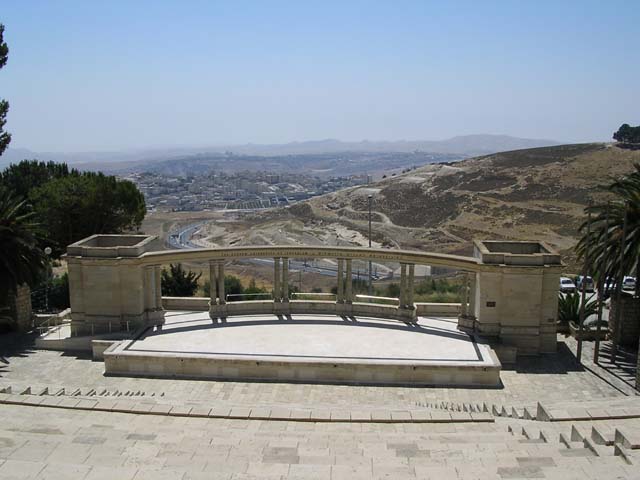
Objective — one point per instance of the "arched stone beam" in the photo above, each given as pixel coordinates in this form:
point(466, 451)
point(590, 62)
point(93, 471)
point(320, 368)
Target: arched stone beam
point(457, 262)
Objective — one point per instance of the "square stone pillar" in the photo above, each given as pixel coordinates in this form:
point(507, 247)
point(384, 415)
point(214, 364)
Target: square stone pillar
point(340, 279)
point(516, 298)
point(110, 287)
point(285, 280)
point(277, 296)
point(348, 296)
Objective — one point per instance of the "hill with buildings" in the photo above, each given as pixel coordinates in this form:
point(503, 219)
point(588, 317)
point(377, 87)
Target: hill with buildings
point(535, 193)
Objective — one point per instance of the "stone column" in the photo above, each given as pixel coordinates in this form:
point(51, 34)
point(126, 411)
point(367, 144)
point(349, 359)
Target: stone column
point(412, 271)
point(471, 311)
point(285, 280)
point(158, 286)
point(149, 288)
point(340, 294)
point(349, 283)
point(276, 280)
point(403, 285)
point(221, 282)
point(464, 297)
point(213, 282)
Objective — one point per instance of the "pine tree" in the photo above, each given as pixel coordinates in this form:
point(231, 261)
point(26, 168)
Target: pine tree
point(5, 137)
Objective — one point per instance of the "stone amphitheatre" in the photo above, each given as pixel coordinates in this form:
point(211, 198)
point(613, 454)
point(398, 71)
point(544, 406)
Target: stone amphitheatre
point(134, 385)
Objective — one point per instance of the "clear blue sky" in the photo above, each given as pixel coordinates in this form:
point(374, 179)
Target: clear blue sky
point(89, 75)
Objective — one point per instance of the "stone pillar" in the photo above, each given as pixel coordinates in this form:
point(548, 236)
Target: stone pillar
point(340, 293)
point(151, 308)
point(464, 308)
point(471, 311)
point(111, 286)
point(213, 282)
point(403, 285)
point(221, 282)
point(349, 283)
point(516, 303)
point(150, 288)
point(158, 286)
point(276, 280)
point(285, 280)
point(412, 271)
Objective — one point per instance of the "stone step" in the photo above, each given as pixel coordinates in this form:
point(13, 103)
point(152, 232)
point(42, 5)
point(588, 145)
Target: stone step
point(603, 435)
point(631, 457)
point(598, 449)
point(578, 433)
point(140, 405)
point(565, 440)
point(533, 435)
point(629, 439)
point(554, 414)
point(577, 452)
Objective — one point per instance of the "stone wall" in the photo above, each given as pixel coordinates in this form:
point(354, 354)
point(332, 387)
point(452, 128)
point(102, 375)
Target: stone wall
point(628, 333)
point(20, 307)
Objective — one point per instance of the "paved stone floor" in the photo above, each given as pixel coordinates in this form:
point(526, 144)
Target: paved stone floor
point(41, 443)
point(547, 378)
point(322, 337)
point(50, 443)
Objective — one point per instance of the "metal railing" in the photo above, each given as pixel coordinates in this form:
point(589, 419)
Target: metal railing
point(301, 295)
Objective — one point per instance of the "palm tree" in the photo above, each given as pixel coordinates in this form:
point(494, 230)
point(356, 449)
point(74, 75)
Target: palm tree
point(21, 259)
point(603, 238)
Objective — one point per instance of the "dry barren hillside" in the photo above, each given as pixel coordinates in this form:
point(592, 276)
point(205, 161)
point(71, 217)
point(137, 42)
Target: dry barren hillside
point(535, 193)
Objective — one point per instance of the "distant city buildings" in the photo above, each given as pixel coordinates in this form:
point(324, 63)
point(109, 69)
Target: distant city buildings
point(238, 190)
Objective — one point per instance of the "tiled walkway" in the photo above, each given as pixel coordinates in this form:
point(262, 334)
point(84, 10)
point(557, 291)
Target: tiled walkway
point(548, 378)
point(70, 444)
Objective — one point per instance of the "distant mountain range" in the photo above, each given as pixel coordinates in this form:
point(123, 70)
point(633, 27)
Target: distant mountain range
point(467, 145)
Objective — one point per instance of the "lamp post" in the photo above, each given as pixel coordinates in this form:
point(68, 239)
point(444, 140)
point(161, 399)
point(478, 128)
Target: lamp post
point(47, 252)
point(370, 199)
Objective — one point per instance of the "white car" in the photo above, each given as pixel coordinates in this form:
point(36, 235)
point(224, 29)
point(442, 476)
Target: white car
point(629, 283)
point(567, 285)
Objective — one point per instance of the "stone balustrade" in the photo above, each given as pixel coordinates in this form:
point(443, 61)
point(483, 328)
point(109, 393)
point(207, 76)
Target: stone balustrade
point(514, 302)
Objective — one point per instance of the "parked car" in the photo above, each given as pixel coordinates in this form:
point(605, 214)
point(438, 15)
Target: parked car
point(588, 283)
point(567, 285)
point(629, 283)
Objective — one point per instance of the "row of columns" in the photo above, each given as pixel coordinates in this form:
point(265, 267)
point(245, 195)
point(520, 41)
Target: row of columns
point(281, 282)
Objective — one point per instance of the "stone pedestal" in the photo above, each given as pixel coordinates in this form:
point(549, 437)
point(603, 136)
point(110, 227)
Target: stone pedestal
point(515, 301)
point(110, 288)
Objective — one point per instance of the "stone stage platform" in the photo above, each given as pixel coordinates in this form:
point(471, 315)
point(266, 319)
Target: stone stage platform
point(307, 348)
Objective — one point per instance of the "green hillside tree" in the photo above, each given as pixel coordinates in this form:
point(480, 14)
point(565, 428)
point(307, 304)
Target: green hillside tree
point(72, 205)
point(177, 282)
point(5, 137)
point(27, 175)
point(627, 134)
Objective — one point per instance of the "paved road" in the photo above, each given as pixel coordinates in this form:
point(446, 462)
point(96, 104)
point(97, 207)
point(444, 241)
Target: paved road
point(181, 239)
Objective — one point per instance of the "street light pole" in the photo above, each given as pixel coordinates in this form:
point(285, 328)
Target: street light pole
point(47, 252)
point(370, 198)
